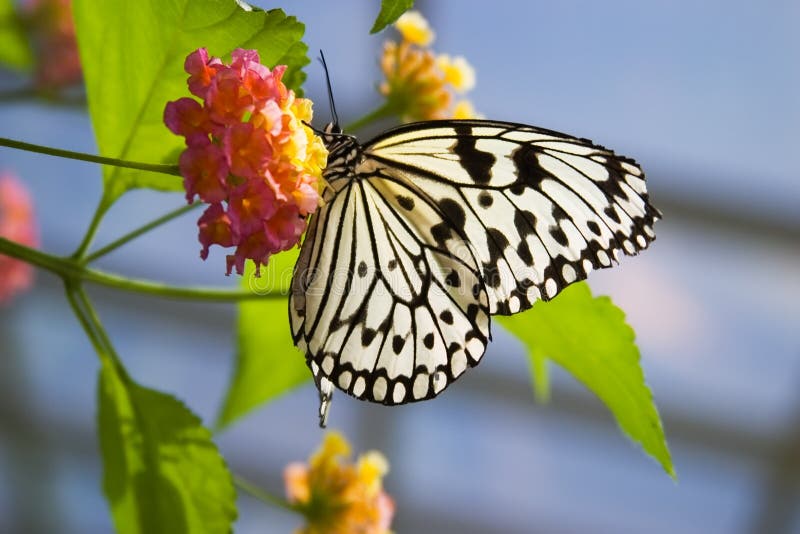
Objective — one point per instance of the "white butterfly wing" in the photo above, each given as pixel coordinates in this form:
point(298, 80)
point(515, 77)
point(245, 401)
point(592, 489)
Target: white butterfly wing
point(370, 305)
point(540, 209)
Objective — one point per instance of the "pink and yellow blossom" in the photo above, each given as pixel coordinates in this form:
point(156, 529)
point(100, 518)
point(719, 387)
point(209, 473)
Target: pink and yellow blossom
point(250, 154)
point(17, 224)
point(338, 496)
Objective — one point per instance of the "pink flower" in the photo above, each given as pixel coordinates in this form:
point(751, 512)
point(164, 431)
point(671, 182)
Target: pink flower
point(249, 154)
point(53, 34)
point(16, 224)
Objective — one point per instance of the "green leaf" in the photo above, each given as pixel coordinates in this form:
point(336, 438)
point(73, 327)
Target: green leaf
point(588, 336)
point(267, 362)
point(132, 55)
point(162, 472)
point(390, 12)
point(15, 49)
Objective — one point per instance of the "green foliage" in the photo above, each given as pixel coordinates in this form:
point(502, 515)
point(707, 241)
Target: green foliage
point(132, 55)
point(588, 337)
point(390, 12)
point(267, 362)
point(15, 50)
point(162, 472)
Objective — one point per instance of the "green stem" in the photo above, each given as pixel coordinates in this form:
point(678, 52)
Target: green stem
point(386, 110)
point(80, 313)
point(261, 494)
point(50, 151)
point(94, 224)
point(139, 231)
point(71, 270)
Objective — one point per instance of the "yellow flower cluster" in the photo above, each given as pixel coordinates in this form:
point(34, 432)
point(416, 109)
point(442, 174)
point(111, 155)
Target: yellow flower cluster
point(337, 496)
point(419, 84)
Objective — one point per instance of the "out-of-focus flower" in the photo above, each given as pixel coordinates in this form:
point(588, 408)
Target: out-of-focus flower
point(457, 72)
point(464, 110)
point(419, 85)
point(58, 63)
point(414, 28)
point(16, 224)
point(337, 496)
point(249, 155)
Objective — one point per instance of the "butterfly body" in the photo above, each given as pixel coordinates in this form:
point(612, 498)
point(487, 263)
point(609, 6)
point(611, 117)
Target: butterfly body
point(431, 228)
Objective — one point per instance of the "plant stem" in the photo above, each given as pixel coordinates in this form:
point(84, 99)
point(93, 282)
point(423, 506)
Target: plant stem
point(94, 224)
point(82, 156)
point(261, 494)
point(386, 110)
point(139, 231)
point(71, 270)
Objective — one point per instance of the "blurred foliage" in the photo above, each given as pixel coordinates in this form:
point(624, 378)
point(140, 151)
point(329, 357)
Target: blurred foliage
point(390, 12)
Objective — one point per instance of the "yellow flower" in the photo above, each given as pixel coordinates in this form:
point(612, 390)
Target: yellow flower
point(414, 28)
point(464, 110)
point(338, 497)
point(457, 72)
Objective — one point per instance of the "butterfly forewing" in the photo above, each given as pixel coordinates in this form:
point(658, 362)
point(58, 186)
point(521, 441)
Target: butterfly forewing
point(432, 227)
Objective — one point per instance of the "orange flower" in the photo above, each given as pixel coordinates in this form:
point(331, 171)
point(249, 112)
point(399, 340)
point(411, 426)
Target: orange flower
point(16, 224)
point(248, 147)
point(338, 497)
point(419, 85)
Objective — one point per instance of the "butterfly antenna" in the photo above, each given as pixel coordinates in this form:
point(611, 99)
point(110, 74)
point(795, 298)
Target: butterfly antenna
point(330, 90)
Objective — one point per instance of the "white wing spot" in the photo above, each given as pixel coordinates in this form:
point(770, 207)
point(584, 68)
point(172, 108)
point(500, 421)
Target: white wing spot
point(360, 386)
point(629, 248)
point(568, 273)
point(327, 365)
point(603, 258)
point(344, 379)
point(458, 364)
point(379, 388)
point(641, 240)
point(649, 231)
point(421, 385)
point(439, 381)
point(550, 287)
point(399, 392)
point(587, 266)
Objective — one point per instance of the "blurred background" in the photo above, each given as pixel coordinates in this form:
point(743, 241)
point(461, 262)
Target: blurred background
point(706, 96)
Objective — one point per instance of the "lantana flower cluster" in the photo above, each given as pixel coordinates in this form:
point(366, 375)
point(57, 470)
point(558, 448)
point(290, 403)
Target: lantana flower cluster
point(248, 154)
point(17, 224)
point(419, 84)
point(337, 496)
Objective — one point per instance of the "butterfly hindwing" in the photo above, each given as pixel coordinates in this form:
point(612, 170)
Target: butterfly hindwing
point(373, 301)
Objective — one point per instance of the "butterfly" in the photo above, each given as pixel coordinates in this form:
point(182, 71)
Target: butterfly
point(431, 228)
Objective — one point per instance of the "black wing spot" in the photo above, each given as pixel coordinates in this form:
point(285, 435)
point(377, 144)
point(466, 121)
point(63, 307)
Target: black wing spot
point(406, 203)
point(491, 275)
point(362, 269)
point(524, 222)
point(428, 340)
point(558, 234)
point(477, 163)
point(367, 335)
point(485, 199)
point(446, 316)
point(524, 252)
point(529, 172)
point(593, 227)
point(392, 265)
point(397, 344)
point(441, 233)
point(452, 279)
point(611, 213)
point(454, 213)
